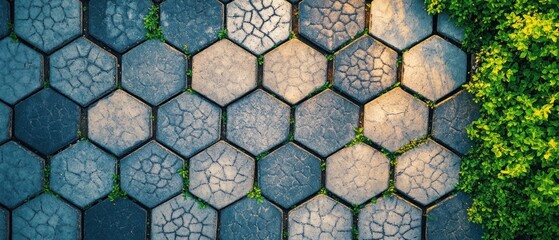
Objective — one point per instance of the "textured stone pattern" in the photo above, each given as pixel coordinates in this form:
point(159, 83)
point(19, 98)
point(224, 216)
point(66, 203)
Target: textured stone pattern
point(122, 219)
point(390, 218)
point(320, 218)
point(4, 223)
point(21, 71)
point(449, 220)
point(4, 20)
point(330, 23)
point(5, 122)
point(82, 71)
point(247, 219)
point(21, 174)
point(294, 70)
point(447, 27)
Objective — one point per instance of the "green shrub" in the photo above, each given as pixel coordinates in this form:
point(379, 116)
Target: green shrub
point(513, 171)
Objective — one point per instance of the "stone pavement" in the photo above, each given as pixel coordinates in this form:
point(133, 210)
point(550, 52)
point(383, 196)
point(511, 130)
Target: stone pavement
point(254, 119)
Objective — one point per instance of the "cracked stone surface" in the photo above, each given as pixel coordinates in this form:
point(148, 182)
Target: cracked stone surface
point(451, 118)
point(449, 220)
point(365, 68)
point(427, 172)
point(221, 174)
point(448, 27)
point(46, 217)
point(47, 24)
point(82, 173)
point(188, 124)
point(4, 223)
point(118, 23)
point(5, 122)
point(220, 75)
point(400, 23)
point(150, 174)
point(47, 121)
point(390, 218)
point(330, 23)
point(259, 25)
point(395, 119)
point(122, 219)
point(320, 218)
point(294, 70)
point(119, 122)
point(257, 122)
point(434, 68)
point(357, 173)
point(21, 174)
point(21, 71)
point(289, 175)
point(247, 219)
point(154, 71)
point(82, 71)
point(326, 122)
point(181, 218)
point(203, 19)
point(4, 20)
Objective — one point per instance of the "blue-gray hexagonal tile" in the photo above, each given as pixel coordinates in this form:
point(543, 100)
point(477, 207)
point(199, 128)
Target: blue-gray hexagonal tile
point(5, 122)
point(320, 218)
point(203, 19)
point(122, 219)
point(118, 23)
point(154, 71)
point(249, 219)
point(390, 218)
point(46, 217)
point(47, 24)
point(82, 71)
point(21, 71)
point(82, 173)
point(449, 220)
point(4, 19)
point(448, 27)
point(150, 174)
point(47, 121)
point(257, 122)
point(4, 223)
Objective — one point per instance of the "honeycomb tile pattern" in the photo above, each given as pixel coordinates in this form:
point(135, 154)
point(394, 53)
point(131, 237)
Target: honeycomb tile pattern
point(320, 218)
point(21, 174)
point(4, 19)
point(122, 219)
point(390, 218)
point(5, 122)
point(21, 71)
point(247, 219)
point(449, 219)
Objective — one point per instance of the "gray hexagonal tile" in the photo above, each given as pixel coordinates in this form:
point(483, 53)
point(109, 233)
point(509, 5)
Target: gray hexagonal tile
point(151, 65)
point(294, 70)
point(427, 172)
point(400, 23)
point(395, 119)
point(5, 122)
point(449, 220)
point(326, 122)
point(21, 71)
point(4, 223)
point(82, 173)
point(221, 174)
point(121, 219)
point(248, 219)
point(320, 218)
point(448, 27)
point(82, 71)
point(434, 68)
point(4, 19)
point(21, 174)
point(357, 173)
point(330, 23)
point(47, 24)
point(119, 122)
point(390, 218)
point(257, 122)
point(219, 75)
point(365, 68)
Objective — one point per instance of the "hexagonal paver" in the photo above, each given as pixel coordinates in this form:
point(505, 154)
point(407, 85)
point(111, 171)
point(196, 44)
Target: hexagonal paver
point(82, 71)
point(451, 118)
point(258, 25)
point(294, 70)
point(181, 217)
point(320, 218)
point(434, 68)
point(46, 217)
point(326, 122)
point(122, 219)
point(427, 172)
point(357, 173)
point(395, 119)
point(5, 122)
point(400, 22)
point(21, 174)
point(365, 68)
point(221, 174)
point(390, 218)
point(47, 121)
point(203, 19)
point(21, 71)
point(188, 124)
point(257, 122)
point(4, 223)
point(219, 75)
point(82, 173)
point(289, 175)
point(154, 71)
point(449, 220)
point(47, 24)
point(119, 122)
point(150, 174)
point(4, 20)
point(118, 23)
point(331, 23)
point(448, 27)
point(248, 219)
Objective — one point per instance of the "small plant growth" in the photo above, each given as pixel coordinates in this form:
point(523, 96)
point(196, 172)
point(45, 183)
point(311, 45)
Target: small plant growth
point(222, 34)
point(151, 24)
point(256, 193)
point(116, 192)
